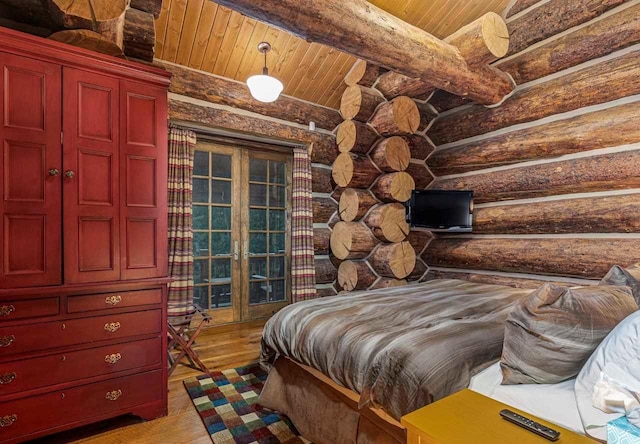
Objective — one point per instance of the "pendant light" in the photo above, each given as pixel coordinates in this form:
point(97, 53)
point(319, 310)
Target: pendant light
point(263, 87)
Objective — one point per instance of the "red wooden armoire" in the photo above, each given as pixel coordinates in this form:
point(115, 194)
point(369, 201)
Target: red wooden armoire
point(84, 237)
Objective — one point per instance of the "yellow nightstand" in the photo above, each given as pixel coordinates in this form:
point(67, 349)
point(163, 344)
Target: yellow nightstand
point(468, 417)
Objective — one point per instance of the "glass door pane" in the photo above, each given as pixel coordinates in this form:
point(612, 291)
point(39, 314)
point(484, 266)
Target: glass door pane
point(267, 233)
point(216, 230)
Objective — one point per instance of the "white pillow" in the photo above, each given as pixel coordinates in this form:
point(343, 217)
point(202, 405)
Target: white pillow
point(621, 349)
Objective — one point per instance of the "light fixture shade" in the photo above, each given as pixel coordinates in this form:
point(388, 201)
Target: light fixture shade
point(265, 88)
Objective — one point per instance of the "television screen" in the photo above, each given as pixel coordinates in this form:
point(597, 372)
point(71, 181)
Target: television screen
point(441, 210)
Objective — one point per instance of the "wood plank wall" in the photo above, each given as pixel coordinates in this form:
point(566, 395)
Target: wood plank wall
point(556, 167)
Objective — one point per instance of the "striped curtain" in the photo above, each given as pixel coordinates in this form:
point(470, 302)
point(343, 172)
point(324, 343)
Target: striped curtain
point(302, 255)
point(182, 144)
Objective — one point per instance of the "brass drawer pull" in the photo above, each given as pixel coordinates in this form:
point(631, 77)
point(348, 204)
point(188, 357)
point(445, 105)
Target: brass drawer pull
point(112, 396)
point(7, 378)
point(6, 310)
point(8, 420)
point(113, 300)
point(6, 341)
point(113, 358)
point(112, 326)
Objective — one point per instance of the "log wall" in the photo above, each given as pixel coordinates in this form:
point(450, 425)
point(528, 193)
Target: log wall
point(383, 151)
point(556, 168)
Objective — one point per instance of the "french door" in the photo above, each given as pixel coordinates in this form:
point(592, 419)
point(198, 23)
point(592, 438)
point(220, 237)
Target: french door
point(241, 231)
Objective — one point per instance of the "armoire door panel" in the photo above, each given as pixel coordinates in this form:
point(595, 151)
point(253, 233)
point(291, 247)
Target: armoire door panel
point(141, 186)
point(30, 164)
point(25, 248)
point(141, 134)
point(95, 244)
point(141, 243)
point(95, 100)
point(24, 171)
point(96, 181)
point(25, 97)
point(143, 215)
point(91, 177)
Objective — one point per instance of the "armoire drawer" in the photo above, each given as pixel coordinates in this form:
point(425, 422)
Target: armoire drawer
point(28, 374)
point(105, 301)
point(47, 335)
point(29, 308)
point(38, 413)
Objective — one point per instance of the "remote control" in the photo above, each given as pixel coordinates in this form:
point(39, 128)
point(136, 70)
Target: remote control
point(532, 426)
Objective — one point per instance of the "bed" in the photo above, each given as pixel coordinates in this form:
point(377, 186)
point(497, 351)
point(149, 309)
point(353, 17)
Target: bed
point(385, 352)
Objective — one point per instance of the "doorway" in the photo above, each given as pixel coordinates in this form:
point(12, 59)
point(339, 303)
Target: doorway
point(241, 231)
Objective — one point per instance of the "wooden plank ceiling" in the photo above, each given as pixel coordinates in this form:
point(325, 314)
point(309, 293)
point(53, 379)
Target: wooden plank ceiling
point(202, 35)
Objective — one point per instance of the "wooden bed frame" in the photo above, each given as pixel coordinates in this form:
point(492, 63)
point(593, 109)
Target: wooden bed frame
point(312, 388)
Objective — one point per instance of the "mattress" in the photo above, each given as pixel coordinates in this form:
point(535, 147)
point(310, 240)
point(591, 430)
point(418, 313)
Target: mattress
point(555, 403)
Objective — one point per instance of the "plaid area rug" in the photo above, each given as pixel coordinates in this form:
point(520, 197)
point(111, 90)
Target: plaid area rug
point(227, 405)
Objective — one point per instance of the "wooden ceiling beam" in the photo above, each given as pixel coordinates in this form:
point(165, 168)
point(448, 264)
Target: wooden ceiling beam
point(481, 42)
point(366, 31)
point(220, 90)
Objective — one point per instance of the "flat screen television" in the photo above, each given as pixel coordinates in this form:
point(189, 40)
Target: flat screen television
point(441, 210)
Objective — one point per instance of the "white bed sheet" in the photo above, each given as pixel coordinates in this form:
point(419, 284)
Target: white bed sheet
point(555, 403)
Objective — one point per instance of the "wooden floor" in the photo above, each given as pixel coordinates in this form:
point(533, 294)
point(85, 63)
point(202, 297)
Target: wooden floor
point(220, 348)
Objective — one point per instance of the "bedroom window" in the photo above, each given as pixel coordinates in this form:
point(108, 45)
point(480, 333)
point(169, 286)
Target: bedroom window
point(241, 220)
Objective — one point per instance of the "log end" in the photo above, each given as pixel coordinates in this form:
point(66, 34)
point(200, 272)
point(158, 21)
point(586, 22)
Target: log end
point(348, 206)
point(351, 102)
point(346, 136)
point(496, 34)
point(356, 73)
point(403, 260)
point(347, 275)
point(401, 186)
point(101, 11)
point(342, 170)
point(341, 240)
point(406, 114)
point(396, 154)
point(393, 223)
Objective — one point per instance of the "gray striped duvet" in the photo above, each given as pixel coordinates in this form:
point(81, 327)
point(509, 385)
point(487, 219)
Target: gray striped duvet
point(399, 348)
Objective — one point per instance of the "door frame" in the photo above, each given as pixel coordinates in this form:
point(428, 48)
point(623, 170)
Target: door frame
point(240, 309)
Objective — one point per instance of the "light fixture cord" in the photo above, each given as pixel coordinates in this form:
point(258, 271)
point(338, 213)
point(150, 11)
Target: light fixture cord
point(265, 70)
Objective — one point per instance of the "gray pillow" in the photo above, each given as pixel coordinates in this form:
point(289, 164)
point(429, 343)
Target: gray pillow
point(552, 332)
point(628, 277)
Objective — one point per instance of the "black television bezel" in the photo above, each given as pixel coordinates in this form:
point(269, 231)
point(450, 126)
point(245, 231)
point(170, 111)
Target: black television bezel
point(455, 228)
